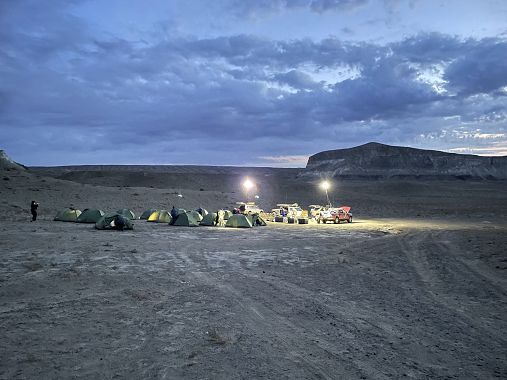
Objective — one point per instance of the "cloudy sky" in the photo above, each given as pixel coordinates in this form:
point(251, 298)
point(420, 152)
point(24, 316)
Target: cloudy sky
point(248, 82)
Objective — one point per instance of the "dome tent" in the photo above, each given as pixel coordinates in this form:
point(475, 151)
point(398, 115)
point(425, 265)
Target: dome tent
point(174, 213)
point(110, 222)
point(209, 219)
point(238, 221)
point(127, 213)
point(188, 219)
point(67, 215)
point(90, 215)
point(161, 216)
point(146, 213)
point(256, 220)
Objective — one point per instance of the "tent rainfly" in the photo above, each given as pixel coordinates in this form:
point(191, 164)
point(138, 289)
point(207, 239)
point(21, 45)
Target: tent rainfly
point(127, 213)
point(114, 221)
point(188, 219)
point(238, 221)
point(256, 220)
point(90, 215)
point(67, 215)
point(209, 219)
point(160, 216)
point(146, 213)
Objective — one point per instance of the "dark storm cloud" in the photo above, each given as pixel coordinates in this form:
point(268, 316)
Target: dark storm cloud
point(253, 7)
point(474, 66)
point(247, 50)
point(482, 70)
point(79, 91)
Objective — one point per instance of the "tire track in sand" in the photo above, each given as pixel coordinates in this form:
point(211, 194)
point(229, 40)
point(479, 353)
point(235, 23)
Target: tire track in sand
point(417, 247)
point(277, 329)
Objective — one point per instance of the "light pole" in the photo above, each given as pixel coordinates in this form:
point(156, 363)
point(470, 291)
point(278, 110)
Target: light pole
point(248, 185)
point(326, 185)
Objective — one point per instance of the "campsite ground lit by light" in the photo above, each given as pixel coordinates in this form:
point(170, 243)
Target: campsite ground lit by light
point(377, 298)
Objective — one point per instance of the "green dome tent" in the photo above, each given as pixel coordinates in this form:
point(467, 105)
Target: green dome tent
point(127, 213)
point(178, 211)
point(67, 215)
point(188, 219)
point(238, 221)
point(110, 222)
point(256, 220)
point(90, 215)
point(161, 216)
point(146, 214)
point(209, 219)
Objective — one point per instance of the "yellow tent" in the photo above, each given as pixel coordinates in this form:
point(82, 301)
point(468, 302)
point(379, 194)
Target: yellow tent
point(160, 216)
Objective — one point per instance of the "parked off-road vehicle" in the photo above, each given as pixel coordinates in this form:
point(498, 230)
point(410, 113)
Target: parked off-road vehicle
point(335, 215)
point(291, 210)
point(249, 208)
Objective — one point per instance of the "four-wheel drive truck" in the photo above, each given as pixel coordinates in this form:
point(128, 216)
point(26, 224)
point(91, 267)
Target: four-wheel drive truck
point(335, 215)
point(291, 210)
point(249, 208)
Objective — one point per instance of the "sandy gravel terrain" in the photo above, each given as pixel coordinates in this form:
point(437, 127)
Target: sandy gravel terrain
point(408, 296)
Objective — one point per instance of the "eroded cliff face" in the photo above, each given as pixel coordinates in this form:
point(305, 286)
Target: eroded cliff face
point(379, 160)
point(6, 163)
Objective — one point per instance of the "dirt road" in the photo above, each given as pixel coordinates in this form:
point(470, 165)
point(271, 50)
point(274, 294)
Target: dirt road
point(373, 299)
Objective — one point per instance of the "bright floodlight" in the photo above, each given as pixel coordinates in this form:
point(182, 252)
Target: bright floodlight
point(248, 184)
point(325, 185)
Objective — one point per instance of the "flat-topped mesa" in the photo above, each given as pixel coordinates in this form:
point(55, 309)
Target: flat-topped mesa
point(7, 163)
point(384, 161)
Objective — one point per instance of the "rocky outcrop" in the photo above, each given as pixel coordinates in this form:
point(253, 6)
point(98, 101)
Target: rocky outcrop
point(384, 161)
point(6, 163)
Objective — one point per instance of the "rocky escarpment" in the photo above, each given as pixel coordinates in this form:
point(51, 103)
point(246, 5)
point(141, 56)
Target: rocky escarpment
point(6, 163)
point(385, 161)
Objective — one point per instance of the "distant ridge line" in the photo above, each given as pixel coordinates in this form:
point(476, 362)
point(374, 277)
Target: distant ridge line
point(386, 161)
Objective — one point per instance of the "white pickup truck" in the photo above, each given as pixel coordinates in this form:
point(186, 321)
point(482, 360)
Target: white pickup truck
point(291, 210)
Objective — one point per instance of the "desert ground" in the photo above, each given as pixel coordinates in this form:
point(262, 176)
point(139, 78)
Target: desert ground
point(415, 287)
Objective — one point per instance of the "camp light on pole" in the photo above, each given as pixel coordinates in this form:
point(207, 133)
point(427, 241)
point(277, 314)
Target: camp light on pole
point(325, 185)
point(247, 184)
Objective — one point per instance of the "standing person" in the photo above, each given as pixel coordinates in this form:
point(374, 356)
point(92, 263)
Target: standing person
point(174, 215)
point(33, 210)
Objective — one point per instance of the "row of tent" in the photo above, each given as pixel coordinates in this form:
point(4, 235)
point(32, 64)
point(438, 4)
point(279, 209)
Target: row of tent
point(201, 217)
point(88, 215)
point(103, 221)
point(124, 217)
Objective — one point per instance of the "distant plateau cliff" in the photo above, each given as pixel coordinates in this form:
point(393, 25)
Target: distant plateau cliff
point(384, 161)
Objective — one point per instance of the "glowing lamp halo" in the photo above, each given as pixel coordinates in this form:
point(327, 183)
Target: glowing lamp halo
point(248, 184)
point(325, 185)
